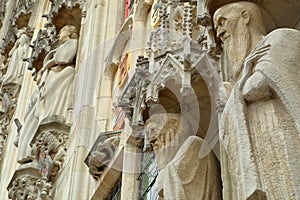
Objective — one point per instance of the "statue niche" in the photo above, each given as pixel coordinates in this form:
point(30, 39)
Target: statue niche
point(177, 154)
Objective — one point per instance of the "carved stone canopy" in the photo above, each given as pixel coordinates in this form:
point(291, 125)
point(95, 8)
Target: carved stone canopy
point(23, 13)
point(66, 15)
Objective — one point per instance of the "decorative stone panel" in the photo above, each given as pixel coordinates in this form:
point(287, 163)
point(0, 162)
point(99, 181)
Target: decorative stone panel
point(28, 184)
point(49, 146)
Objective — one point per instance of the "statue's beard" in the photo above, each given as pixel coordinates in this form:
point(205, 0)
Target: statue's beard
point(237, 48)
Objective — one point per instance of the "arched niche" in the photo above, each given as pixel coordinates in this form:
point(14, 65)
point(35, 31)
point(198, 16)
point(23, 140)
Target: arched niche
point(196, 107)
point(67, 16)
point(61, 14)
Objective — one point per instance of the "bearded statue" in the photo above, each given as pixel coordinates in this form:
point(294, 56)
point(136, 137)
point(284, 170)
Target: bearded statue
point(177, 153)
point(259, 139)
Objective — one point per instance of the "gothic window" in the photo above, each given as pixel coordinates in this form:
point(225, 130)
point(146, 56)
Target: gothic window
point(147, 177)
point(119, 117)
point(123, 70)
point(128, 7)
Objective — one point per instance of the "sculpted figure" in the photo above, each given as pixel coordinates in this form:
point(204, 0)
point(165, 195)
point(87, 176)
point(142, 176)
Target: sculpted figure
point(182, 173)
point(58, 74)
point(260, 142)
point(19, 51)
point(55, 89)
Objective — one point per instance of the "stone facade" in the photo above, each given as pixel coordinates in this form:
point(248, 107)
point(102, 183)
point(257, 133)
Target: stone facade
point(149, 99)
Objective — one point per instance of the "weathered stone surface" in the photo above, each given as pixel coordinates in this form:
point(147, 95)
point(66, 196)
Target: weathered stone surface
point(180, 70)
point(260, 133)
point(102, 154)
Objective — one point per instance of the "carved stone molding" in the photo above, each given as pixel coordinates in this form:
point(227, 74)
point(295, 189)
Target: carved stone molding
point(4, 121)
point(102, 153)
point(45, 41)
point(8, 102)
point(2, 8)
point(28, 184)
point(49, 146)
point(2, 11)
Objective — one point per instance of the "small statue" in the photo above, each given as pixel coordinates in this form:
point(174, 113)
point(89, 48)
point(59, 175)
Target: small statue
point(57, 75)
point(15, 69)
point(182, 173)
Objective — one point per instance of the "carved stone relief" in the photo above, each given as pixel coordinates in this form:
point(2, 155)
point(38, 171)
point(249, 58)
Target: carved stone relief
point(102, 153)
point(27, 184)
point(49, 146)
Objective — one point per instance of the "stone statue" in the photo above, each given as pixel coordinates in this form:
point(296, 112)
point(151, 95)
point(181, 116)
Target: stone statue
point(15, 69)
point(58, 74)
point(55, 89)
point(175, 149)
point(260, 144)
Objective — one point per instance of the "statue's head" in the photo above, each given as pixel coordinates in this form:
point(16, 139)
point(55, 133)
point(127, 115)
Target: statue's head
point(21, 31)
point(167, 132)
point(68, 32)
point(236, 24)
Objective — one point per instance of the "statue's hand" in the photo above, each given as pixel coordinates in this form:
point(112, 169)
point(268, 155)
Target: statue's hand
point(250, 60)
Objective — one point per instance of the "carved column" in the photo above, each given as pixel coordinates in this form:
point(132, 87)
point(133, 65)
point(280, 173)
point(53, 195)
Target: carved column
point(131, 165)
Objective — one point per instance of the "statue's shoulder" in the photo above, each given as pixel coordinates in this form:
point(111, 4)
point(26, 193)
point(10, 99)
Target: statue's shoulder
point(286, 35)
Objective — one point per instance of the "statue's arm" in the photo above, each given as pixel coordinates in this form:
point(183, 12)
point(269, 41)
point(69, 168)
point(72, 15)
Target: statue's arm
point(256, 87)
point(14, 48)
point(49, 60)
point(66, 52)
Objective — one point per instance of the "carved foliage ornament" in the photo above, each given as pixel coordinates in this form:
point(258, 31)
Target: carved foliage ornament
point(58, 4)
point(50, 148)
point(29, 188)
